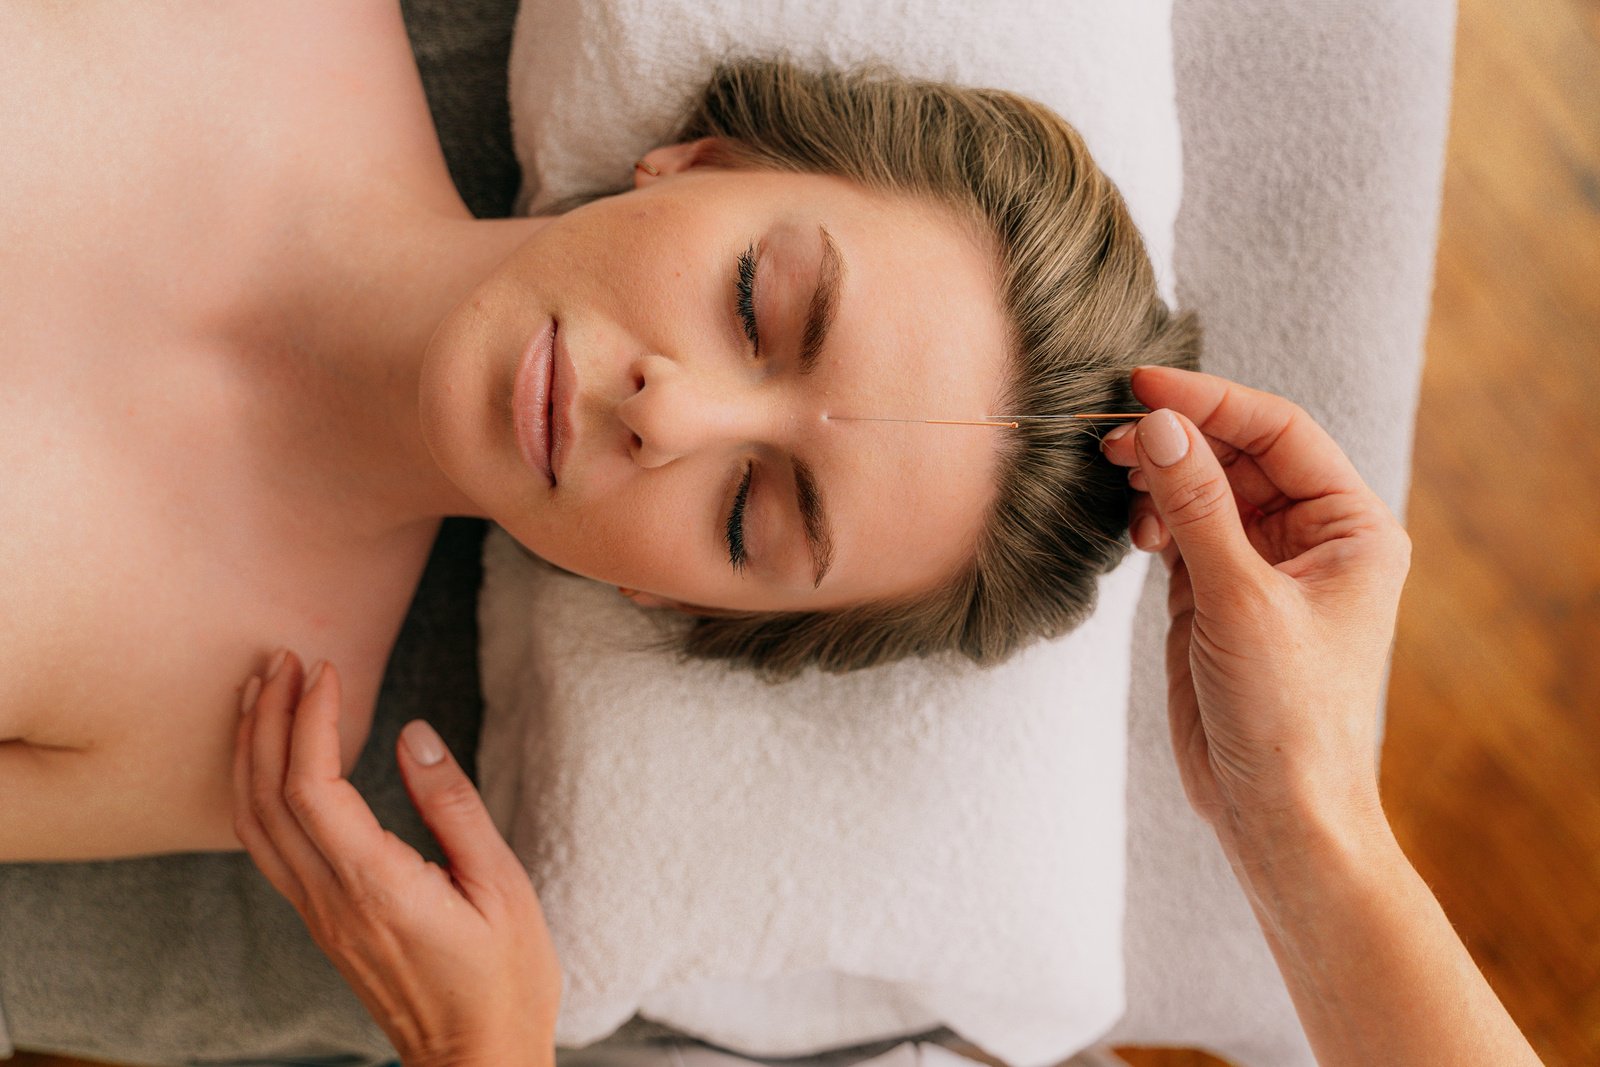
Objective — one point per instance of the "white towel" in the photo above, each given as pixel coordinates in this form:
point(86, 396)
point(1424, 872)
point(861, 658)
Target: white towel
point(843, 859)
point(782, 870)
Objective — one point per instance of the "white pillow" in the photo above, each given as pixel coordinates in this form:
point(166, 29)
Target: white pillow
point(843, 859)
point(597, 83)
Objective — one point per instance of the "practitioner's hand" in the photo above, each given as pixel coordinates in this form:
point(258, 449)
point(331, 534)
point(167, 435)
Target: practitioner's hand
point(1285, 578)
point(455, 964)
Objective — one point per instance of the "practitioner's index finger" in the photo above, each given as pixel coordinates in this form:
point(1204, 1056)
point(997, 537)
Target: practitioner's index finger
point(1295, 453)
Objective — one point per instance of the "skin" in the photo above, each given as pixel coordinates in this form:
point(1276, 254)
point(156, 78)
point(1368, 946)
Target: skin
point(225, 443)
point(258, 347)
point(456, 963)
point(672, 402)
point(1285, 572)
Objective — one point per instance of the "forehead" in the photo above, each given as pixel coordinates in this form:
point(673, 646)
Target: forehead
point(919, 334)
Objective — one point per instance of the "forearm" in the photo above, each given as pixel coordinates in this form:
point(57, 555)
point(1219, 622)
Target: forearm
point(1377, 974)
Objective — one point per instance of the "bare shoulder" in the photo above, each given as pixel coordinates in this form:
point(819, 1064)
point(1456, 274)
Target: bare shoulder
point(161, 107)
point(105, 33)
point(97, 80)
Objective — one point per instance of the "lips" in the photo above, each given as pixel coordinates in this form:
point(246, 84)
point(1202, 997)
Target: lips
point(531, 397)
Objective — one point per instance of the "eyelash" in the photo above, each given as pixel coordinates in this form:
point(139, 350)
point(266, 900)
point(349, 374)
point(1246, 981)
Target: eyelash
point(744, 287)
point(735, 533)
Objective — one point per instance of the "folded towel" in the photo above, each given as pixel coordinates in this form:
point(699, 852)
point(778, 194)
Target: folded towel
point(841, 859)
point(782, 870)
point(1313, 139)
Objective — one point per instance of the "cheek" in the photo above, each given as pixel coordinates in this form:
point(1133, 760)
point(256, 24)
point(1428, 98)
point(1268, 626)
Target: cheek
point(644, 535)
point(622, 253)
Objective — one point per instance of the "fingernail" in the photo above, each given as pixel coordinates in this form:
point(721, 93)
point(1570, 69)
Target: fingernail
point(422, 742)
point(1147, 533)
point(316, 673)
point(247, 699)
point(1163, 438)
point(1118, 434)
point(277, 663)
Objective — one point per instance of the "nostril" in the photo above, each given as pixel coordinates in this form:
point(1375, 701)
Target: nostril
point(638, 381)
point(638, 442)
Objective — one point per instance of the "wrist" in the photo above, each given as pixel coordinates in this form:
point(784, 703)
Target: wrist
point(1307, 834)
point(1297, 868)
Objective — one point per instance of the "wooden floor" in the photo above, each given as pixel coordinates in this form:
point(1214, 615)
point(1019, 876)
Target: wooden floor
point(1491, 770)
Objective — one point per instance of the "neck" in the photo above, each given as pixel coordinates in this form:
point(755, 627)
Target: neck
point(348, 351)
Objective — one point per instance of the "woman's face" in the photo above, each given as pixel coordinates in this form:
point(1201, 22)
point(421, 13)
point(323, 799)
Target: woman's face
point(701, 468)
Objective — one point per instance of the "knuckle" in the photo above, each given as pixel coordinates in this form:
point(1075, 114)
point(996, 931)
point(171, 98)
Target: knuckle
point(1227, 455)
point(370, 898)
point(457, 797)
point(1271, 600)
point(333, 933)
point(300, 797)
point(1194, 500)
point(1402, 548)
point(263, 800)
point(1390, 544)
point(1399, 553)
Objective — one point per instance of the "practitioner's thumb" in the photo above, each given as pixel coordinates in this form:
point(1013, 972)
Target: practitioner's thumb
point(1195, 500)
point(452, 809)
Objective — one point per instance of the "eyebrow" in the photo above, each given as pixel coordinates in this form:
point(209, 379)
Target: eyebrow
point(824, 303)
point(823, 310)
point(814, 520)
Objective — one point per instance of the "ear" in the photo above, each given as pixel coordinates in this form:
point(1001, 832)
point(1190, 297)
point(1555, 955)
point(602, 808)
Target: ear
point(675, 159)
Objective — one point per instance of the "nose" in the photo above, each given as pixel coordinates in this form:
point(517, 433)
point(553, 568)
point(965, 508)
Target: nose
point(676, 411)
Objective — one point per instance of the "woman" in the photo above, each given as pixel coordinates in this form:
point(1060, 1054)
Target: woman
point(261, 348)
point(1285, 573)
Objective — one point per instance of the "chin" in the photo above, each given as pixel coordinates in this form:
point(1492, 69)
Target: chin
point(464, 420)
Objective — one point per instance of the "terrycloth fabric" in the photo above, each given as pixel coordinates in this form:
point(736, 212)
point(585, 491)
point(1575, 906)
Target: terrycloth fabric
point(1313, 152)
point(802, 842)
point(780, 870)
point(596, 84)
point(1313, 136)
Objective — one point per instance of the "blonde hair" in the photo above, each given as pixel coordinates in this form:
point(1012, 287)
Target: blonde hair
point(1082, 311)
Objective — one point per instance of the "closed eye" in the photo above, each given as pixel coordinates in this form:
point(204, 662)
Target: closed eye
point(744, 288)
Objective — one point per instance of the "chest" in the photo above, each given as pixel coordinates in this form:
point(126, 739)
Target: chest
point(152, 551)
point(149, 564)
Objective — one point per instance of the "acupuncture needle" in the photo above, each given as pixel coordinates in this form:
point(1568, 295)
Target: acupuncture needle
point(1010, 422)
